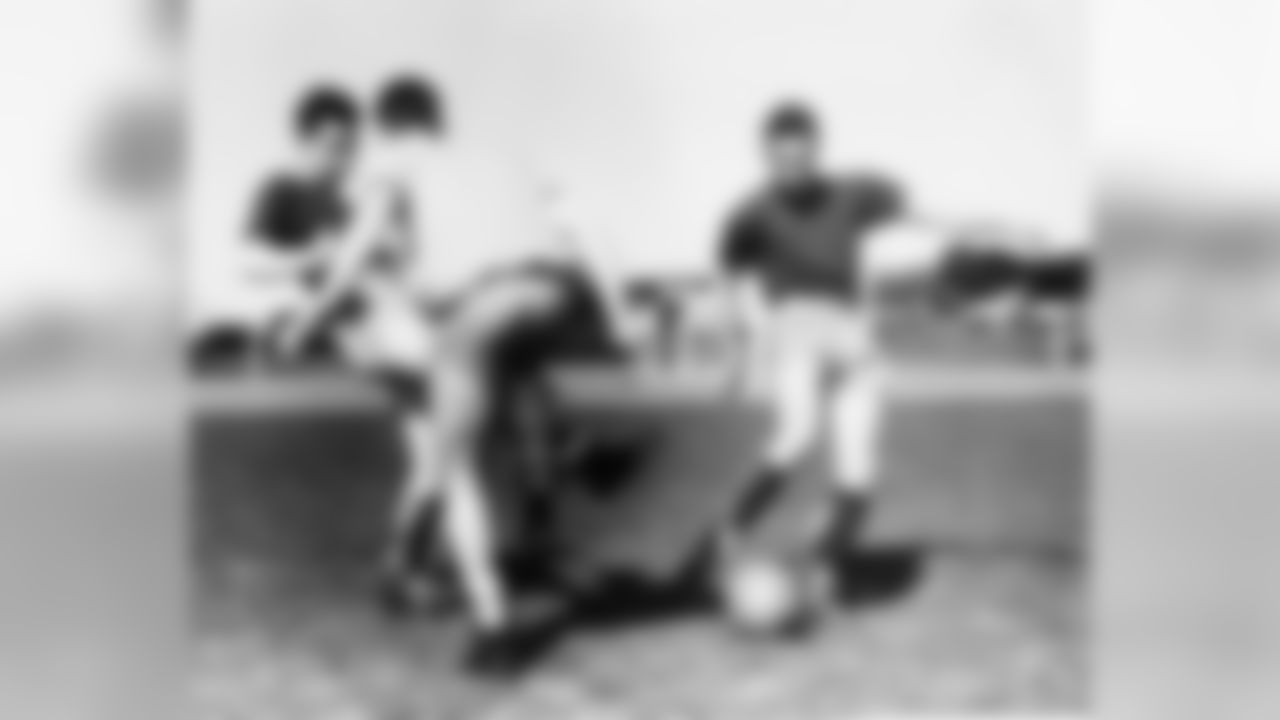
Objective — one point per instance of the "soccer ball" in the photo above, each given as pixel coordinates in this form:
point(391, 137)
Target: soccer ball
point(764, 595)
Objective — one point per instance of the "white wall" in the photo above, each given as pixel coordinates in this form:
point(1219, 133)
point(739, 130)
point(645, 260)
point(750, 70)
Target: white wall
point(649, 107)
point(68, 246)
point(1186, 99)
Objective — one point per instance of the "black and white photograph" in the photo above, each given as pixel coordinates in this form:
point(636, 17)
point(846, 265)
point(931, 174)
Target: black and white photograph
point(638, 359)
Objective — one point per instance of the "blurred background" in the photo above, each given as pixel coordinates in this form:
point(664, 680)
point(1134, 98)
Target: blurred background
point(648, 114)
point(91, 425)
point(1183, 103)
point(1189, 174)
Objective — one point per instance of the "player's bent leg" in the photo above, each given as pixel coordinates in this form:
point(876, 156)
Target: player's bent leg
point(796, 404)
point(443, 504)
point(444, 455)
point(393, 342)
point(794, 400)
point(443, 487)
point(502, 644)
point(472, 537)
point(470, 527)
point(777, 593)
point(414, 573)
point(392, 332)
point(856, 433)
point(494, 309)
point(395, 345)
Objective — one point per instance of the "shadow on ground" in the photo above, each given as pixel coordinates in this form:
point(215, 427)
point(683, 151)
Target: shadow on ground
point(876, 576)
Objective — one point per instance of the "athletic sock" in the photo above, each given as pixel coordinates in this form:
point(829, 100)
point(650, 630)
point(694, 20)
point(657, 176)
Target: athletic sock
point(848, 522)
point(760, 496)
point(413, 546)
point(418, 577)
point(413, 551)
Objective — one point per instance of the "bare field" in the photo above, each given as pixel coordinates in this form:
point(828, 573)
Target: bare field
point(988, 615)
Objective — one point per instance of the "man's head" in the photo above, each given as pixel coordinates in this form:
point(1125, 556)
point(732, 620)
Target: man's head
point(410, 105)
point(792, 143)
point(326, 123)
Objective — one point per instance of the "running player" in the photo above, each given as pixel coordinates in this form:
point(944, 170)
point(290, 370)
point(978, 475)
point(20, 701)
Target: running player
point(795, 252)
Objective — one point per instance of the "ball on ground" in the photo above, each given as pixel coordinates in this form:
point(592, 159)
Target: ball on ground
point(765, 595)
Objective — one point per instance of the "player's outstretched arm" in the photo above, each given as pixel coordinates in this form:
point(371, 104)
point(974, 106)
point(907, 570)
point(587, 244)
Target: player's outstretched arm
point(902, 249)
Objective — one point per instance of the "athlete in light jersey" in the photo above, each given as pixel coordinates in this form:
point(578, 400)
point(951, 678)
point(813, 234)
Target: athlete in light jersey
point(488, 252)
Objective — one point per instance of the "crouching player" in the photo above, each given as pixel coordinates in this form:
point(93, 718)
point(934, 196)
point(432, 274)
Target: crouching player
point(794, 250)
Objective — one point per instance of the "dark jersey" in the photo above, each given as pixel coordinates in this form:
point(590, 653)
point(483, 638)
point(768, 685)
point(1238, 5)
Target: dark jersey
point(808, 240)
point(291, 213)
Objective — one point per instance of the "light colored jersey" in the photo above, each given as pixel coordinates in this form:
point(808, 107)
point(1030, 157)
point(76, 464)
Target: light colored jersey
point(462, 213)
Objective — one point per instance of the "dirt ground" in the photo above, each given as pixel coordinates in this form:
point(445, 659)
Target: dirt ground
point(980, 634)
point(971, 619)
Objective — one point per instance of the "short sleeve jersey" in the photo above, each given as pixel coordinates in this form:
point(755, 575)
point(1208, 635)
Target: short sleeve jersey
point(809, 240)
point(291, 213)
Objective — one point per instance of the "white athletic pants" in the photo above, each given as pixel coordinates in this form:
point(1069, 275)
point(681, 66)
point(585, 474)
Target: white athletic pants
point(820, 379)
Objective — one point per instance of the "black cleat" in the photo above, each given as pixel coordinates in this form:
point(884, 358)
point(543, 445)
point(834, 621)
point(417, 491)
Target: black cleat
point(508, 653)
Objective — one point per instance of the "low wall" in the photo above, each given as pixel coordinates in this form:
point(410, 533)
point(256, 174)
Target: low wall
point(994, 469)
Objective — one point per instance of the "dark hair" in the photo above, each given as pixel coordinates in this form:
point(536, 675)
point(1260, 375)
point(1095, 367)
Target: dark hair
point(791, 119)
point(324, 105)
point(411, 102)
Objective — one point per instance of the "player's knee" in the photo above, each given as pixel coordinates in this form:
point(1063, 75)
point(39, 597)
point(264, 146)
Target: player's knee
point(857, 411)
point(856, 468)
point(419, 491)
point(463, 344)
point(458, 397)
point(795, 430)
point(856, 452)
point(788, 450)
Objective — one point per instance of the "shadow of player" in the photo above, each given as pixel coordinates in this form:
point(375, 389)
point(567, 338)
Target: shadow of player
point(865, 578)
point(879, 575)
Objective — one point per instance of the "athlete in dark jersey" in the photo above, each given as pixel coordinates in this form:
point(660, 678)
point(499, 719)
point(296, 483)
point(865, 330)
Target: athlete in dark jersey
point(292, 212)
point(294, 208)
point(797, 245)
point(807, 238)
point(294, 217)
point(298, 213)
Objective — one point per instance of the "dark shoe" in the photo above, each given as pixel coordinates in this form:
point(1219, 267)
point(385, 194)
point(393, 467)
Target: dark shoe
point(508, 653)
